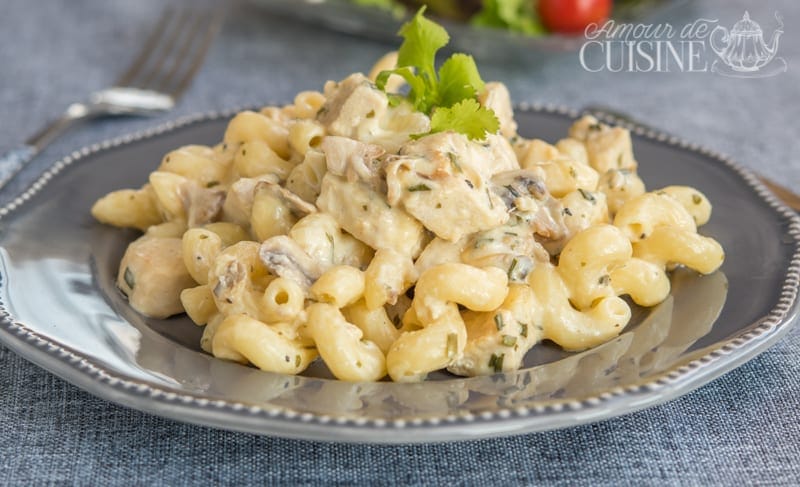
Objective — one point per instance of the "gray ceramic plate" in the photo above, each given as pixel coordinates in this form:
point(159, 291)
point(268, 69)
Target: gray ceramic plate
point(60, 310)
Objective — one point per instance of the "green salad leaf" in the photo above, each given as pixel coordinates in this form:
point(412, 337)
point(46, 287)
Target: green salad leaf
point(513, 15)
point(449, 96)
point(392, 6)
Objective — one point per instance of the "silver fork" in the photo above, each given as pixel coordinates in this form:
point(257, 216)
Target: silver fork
point(154, 82)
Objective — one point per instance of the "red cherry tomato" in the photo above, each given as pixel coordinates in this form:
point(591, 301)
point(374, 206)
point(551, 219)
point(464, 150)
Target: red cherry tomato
point(572, 16)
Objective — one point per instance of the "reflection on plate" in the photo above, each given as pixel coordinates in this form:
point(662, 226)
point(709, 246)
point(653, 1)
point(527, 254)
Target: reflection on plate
point(61, 310)
point(487, 44)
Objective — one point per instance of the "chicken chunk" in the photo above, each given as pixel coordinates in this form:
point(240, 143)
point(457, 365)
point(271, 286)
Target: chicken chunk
point(152, 274)
point(349, 103)
point(443, 181)
point(496, 97)
point(607, 147)
point(365, 214)
point(352, 159)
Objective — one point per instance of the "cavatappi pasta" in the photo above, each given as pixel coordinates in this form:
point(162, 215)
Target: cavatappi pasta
point(324, 230)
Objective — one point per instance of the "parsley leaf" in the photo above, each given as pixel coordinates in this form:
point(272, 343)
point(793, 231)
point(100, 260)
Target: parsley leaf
point(423, 38)
point(450, 96)
point(458, 80)
point(466, 117)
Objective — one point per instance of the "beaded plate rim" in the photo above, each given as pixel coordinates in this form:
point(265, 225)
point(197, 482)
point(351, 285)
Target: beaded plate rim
point(96, 379)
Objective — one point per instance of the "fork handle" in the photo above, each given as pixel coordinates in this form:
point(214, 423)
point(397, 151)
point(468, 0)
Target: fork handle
point(74, 113)
point(14, 160)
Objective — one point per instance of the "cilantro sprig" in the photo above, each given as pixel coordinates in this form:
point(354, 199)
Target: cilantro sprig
point(450, 95)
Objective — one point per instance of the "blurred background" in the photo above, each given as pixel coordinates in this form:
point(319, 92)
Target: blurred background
point(55, 52)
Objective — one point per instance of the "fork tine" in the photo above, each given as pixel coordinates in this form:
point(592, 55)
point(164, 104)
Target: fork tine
point(211, 32)
point(164, 51)
point(151, 42)
point(187, 63)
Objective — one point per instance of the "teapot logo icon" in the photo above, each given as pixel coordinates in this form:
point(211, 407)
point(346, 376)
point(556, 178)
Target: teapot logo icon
point(742, 51)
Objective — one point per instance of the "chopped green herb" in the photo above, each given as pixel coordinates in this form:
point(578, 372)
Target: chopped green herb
point(566, 211)
point(498, 321)
point(572, 172)
point(587, 195)
point(480, 241)
point(452, 345)
point(604, 280)
point(419, 187)
point(129, 279)
point(697, 199)
point(523, 330)
point(469, 183)
point(202, 236)
point(509, 340)
point(333, 249)
point(454, 161)
point(297, 361)
point(496, 362)
point(211, 184)
point(512, 267)
point(511, 190)
point(595, 127)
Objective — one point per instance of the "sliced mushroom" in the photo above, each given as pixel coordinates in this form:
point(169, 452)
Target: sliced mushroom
point(285, 258)
point(352, 159)
point(527, 198)
point(203, 205)
point(296, 204)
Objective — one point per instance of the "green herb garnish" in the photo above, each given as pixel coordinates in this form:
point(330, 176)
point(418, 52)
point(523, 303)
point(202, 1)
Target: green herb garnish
point(496, 362)
point(454, 161)
point(452, 345)
point(129, 279)
point(512, 267)
point(498, 321)
point(449, 96)
point(419, 187)
point(587, 195)
point(509, 340)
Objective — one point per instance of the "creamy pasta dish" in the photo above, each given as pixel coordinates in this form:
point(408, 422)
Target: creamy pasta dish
point(396, 224)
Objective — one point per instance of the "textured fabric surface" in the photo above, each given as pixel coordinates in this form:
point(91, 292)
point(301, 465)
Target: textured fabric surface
point(742, 428)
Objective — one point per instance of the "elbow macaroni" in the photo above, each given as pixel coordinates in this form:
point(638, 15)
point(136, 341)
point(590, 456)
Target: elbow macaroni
point(402, 255)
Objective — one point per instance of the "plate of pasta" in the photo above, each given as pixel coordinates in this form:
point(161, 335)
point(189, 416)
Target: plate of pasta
point(374, 263)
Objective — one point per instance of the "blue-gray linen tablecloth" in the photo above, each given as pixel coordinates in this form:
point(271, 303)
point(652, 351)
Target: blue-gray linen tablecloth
point(741, 428)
